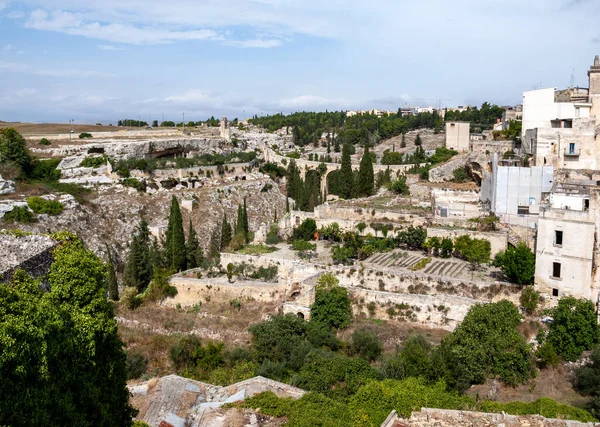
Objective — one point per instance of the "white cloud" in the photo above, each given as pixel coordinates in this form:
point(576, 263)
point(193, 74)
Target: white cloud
point(15, 67)
point(254, 43)
point(76, 24)
point(8, 47)
point(109, 47)
point(314, 102)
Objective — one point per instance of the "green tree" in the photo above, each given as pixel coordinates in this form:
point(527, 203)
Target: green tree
point(13, 149)
point(403, 143)
point(194, 253)
point(366, 345)
point(587, 381)
point(245, 221)
point(139, 267)
point(366, 176)
point(517, 263)
point(295, 186)
point(475, 251)
point(447, 247)
point(276, 338)
point(346, 180)
point(112, 285)
point(414, 359)
point(61, 360)
point(214, 245)
point(574, 328)
point(306, 230)
point(418, 141)
point(332, 306)
point(226, 233)
point(529, 300)
point(486, 343)
point(175, 252)
point(239, 224)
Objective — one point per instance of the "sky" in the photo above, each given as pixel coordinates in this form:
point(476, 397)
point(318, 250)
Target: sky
point(101, 61)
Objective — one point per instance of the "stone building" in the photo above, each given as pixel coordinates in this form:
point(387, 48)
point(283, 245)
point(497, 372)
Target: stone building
point(458, 136)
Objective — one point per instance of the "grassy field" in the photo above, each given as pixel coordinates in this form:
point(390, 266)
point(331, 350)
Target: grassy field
point(54, 128)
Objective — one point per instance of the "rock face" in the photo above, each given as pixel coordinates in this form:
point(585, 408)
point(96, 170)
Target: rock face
point(30, 253)
point(6, 187)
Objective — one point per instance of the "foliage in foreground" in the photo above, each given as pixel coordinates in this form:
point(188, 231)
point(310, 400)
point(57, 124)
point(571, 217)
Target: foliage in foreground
point(373, 402)
point(61, 360)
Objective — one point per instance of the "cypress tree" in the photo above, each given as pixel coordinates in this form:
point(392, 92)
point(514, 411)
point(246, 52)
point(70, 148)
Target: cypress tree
point(113, 287)
point(193, 249)
point(366, 176)
point(215, 242)
point(418, 141)
point(175, 252)
point(245, 222)
point(139, 269)
point(346, 180)
point(287, 205)
point(294, 182)
point(403, 143)
point(226, 233)
point(239, 224)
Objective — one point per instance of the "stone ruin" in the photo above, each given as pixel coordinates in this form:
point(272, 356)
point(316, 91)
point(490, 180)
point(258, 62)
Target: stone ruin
point(225, 130)
point(6, 186)
point(430, 417)
point(176, 401)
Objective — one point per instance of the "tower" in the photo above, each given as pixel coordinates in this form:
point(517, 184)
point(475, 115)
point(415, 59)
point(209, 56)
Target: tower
point(594, 93)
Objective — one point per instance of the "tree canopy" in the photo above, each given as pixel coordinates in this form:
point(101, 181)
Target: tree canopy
point(61, 360)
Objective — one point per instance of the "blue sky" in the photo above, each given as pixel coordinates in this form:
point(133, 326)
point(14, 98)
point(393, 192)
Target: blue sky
point(98, 61)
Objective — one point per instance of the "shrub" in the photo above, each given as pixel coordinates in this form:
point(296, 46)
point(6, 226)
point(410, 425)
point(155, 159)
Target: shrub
point(529, 300)
point(273, 235)
point(92, 162)
point(332, 307)
point(399, 186)
point(487, 343)
point(306, 230)
point(129, 298)
point(447, 246)
point(84, 135)
point(574, 328)
point(475, 251)
point(194, 360)
point(135, 183)
point(136, 365)
point(44, 170)
point(461, 174)
point(305, 249)
point(421, 264)
point(45, 141)
point(43, 206)
point(19, 214)
point(366, 345)
point(517, 263)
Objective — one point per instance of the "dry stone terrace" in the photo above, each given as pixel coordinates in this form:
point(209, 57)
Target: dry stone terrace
point(451, 268)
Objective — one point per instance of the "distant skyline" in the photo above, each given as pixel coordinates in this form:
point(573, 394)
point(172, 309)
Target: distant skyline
point(101, 61)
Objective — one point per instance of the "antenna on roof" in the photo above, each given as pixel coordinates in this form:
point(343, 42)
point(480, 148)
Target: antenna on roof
point(572, 84)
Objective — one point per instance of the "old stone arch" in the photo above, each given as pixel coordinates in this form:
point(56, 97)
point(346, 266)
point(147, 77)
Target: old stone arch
point(300, 315)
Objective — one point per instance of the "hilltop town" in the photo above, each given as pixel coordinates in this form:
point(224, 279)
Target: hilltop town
point(422, 266)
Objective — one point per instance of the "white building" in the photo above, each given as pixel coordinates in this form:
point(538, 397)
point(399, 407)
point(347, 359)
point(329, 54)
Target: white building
point(566, 250)
point(514, 190)
point(458, 136)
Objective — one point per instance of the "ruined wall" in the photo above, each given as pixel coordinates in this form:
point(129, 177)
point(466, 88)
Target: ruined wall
point(444, 171)
point(191, 291)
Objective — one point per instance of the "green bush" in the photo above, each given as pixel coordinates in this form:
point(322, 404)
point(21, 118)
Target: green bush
point(43, 206)
point(84, 135)
point(306, 230)
point(487, 344)
point(461, 174)
point(44, 170)
point(332, 307)
point(574, 328)
point(366, 345)
point(93, 162)
point(135, 183)
point(399, 186)
point(529, 300)
point(45, 141)
point(517, 263)
point(79, 192)
point(545, 407)
point(19, 214)
point(304, 248)
point(136, 365)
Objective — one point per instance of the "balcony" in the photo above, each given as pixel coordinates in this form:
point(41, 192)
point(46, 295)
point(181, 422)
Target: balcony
point(572, 153)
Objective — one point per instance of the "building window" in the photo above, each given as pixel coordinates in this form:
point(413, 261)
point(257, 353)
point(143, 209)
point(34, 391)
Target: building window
point(555, 123)
point(558, 239)
point(554, 292)
point(567, 124)
point(571, 148)
point(556, 267)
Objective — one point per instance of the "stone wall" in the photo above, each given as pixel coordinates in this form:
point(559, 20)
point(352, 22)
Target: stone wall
point(191, 291)
point(444, 171)
point(430, 417)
